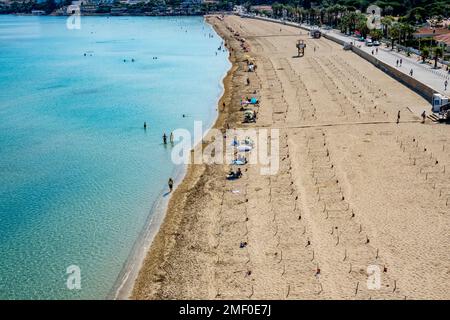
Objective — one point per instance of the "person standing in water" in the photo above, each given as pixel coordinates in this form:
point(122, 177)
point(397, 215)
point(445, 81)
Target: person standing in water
point(171, 137)
point(164, 138)
point(145, 125)
point(170, 183)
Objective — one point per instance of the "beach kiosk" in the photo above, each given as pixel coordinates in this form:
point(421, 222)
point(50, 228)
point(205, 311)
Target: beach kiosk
point(439, 100)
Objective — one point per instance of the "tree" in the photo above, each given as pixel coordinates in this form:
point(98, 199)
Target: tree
point(387, 23)
point(394, 33)
point(376, 34)
point(361, 25)
point(388, 10)
point(50, 6)
point(407, 31)
point(277, 9)
point(438, 52)
point(424, 53)
point(352, 21)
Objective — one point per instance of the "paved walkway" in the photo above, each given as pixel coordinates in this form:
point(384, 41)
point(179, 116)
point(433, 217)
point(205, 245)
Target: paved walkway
point(425, 73)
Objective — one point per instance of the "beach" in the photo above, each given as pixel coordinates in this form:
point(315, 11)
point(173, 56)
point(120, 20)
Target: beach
point(357, 210)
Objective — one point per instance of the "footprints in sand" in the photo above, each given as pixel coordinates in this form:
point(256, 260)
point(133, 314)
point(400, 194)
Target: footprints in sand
point(354, 102)
point(429, 168)
point(273, 90)
point(305, 110)
point(347, 251)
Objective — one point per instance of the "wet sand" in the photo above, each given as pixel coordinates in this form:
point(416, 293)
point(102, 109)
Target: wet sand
point(355, 190)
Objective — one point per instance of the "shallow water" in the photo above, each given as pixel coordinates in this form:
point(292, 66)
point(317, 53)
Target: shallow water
point(78, 174)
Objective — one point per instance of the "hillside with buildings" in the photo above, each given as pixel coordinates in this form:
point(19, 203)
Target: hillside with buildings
point(113, 7)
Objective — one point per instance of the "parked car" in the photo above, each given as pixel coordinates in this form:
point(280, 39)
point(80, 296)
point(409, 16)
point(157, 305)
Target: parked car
point(369, 42)
point(376, 43)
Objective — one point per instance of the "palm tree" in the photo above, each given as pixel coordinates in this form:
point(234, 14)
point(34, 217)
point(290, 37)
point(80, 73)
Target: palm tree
point(407, 30)
point(388, 10)
point(387, 23)
point(302, 14)
point(424, 53)
point(277, 9)
point(438, 52)
point(394, 33)
point(337, 13)
point(361, 25)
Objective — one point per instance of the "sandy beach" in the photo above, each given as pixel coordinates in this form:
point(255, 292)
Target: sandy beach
point(355, 190)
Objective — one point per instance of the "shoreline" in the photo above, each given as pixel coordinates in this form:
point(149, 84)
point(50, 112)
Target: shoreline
point(156, 254)
point(126, 281)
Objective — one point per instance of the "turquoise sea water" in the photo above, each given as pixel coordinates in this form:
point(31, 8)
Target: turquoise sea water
point(78, 174)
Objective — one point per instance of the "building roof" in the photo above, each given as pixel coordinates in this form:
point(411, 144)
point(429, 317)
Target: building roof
point(261, 8)
point(444, 38)
point(430, 32)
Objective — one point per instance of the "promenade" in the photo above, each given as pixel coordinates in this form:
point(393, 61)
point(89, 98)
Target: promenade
point(423, 72)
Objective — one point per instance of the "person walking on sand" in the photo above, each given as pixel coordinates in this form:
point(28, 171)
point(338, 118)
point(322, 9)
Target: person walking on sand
point(398, 117)
point(170, 183)
point(164, 138)
point(424, 115)
point(248, 81)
